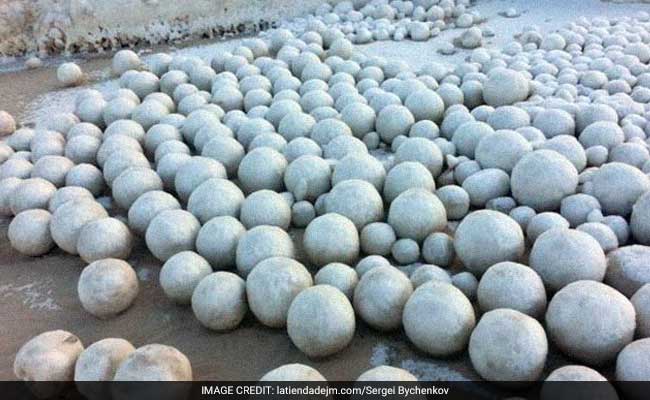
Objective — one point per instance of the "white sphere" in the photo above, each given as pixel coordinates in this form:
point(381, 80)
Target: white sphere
point(180, 275)
point(29, 232)
point(438, 319)
point(171, 232)
point(321, 321)
point(590, 321)
point(271, 287)
point(496, 343)
point(69, 74)
point(380, 296)
point(69, 219)
point(146, 207)
point(415, 213)
point(98, 363)
point(219, 301)
point(218, 239)
point(104, 238)
point(331, 238)
point(487, 237)
point(50, 356)
point(260, 243)
point(153, 362)
point(107, 287)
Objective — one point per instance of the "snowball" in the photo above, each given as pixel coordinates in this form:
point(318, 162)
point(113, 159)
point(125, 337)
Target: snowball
point(331, 238)
point(154, 362)
point(340, 276)
point(407, 175)
point(377, 238)
point(262, 168)
point(260, 243)
point(357, 200)
point(98, 363)
point(456, 201)
point(360, 166)
point(392, 121)
point(181, 274)
point(50, 356)
point(500, 78)
point(29, 232)
point(321, 321)
point(501, 149)
point(170, 232)
point(487, 237)
point(512, 285)
point(293, 373)
point(194, 172)
point(69, 74)
point(132, 183)
point(617, 187)
point(438, 319)
point(380, 296)
point(542, 178)
point(146, 207)
point(544, 222)
point(107, 287)
point(626, 271)
point(495, 343)
point(219, 301)
point(423, 151)
point(30, 194)
point(272, 286)
point(590, 321)
point(69, 219)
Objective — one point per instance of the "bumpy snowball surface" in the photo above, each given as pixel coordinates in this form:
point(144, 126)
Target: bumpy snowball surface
point(104, 238)
point(561, 256)
point(29, 232)
point(542, 178)
point(69, 74)
point(416, 213)
point(68, 220)
point(171, 232)
point(321, 321)
point(627, 269)
point(331, 238)
point(338, 275)
point(499, 78)
point(155, 362)
point(50, 356)
point(512, 285)
point(271, 287)
point(618, 186)
point(219, 301)
point(438, 319)
point(380, 296)
point(260, 243)
point(98, 362)
point(590, 321)
point(487, 237)
point(495, 347)
point(107, 287)
point(180, 275)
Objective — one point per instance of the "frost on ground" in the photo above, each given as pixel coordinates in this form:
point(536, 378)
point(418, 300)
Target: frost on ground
point(36, 295)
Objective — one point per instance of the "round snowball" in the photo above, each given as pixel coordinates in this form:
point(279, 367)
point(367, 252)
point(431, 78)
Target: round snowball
point(171, 232)
point(487, 237)
point(496, 343)
point(321, 321)
point(98, 362)
point(265, 207)
point(217, 241)
point(260, 243)
point(438, 319)
point(562, 256)
point(357, 200)
point(154, 362)
point(416, 213)
point(219, 301)
point(512, 285)
point(29, 232)
point(293, 373)
point(271, 287)
point(338, 275)
point(380, 296)
point(331, 238)
point(104, 238)
point(590, 321)
point(107, 287)
point(181, 274)
point(69, 219)
point(543, 190)
point(50, 356)
point(146, 207)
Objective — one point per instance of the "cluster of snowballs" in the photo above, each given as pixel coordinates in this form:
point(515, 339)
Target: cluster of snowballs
point(60, 356)
point(366, 21)
point(462, 204)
